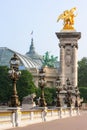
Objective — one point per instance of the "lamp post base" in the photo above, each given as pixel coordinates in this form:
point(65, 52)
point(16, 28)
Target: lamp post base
point(42, 102)
point(14, 101)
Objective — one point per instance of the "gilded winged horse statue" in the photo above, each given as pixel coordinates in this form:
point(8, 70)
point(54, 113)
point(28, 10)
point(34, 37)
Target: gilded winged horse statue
point(68, 18)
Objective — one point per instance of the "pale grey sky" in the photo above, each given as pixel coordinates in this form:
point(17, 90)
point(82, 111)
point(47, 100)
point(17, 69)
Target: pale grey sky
point(19, 17)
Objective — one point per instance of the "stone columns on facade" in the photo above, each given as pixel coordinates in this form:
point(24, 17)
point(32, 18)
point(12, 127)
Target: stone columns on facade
point(68, 56)
point(62, 69)
point(74, 65)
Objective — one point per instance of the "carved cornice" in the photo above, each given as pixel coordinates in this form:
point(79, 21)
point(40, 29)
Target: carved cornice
point(71, 44)
point(74, 45)
point(69, 35)
point(61, 45)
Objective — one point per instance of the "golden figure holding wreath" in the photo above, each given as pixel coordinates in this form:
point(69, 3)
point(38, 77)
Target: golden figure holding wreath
point(68, 18)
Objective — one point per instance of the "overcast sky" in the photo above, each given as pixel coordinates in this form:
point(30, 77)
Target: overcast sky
point(19, 17)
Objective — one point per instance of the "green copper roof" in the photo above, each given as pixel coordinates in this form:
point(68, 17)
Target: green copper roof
point(33, 54)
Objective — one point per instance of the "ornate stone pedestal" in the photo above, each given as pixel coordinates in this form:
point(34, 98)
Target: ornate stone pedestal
point(68, 55)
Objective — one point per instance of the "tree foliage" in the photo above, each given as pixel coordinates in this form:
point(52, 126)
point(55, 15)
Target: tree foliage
point(5, 85)
point(83, 93)
point(82, 78)
point(49, 94)
point(25, 85)
point(82, 72)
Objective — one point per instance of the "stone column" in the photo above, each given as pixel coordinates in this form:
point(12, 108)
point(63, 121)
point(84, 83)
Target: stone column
point(68, 55)
point(62, 69)
point(74, 65)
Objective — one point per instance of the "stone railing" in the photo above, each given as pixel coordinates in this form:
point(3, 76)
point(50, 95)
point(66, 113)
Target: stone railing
point(13, 117)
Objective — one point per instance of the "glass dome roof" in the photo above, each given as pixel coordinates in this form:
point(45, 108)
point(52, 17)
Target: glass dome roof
point(26, 61)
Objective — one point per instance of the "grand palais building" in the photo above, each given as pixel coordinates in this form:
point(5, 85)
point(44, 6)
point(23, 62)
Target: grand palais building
point(31, 61)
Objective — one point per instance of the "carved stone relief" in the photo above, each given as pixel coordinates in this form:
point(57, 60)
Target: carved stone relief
point(68, 57)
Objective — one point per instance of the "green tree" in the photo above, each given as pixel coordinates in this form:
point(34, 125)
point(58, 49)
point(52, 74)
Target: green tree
point(25, 84)
point(82, 78)
point(49, 94)
point(5, 85)
point(82, 72)
point(83, 93)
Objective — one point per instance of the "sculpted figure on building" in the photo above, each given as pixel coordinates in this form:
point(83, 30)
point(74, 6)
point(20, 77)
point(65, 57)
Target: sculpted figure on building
point(68, 19)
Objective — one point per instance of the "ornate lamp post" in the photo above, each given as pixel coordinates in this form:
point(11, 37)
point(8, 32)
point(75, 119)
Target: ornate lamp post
point(14, 74)
point(58, 88)
point(42, 84)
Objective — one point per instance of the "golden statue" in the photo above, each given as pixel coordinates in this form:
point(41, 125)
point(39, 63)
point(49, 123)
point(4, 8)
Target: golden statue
point(68, 17)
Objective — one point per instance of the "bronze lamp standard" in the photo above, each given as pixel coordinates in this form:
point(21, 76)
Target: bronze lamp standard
point(14, 74)
point(42, 84)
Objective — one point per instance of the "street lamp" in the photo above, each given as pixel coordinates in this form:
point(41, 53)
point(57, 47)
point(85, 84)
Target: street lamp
point(58, 88)
point(42, 84)
point(14, 74)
